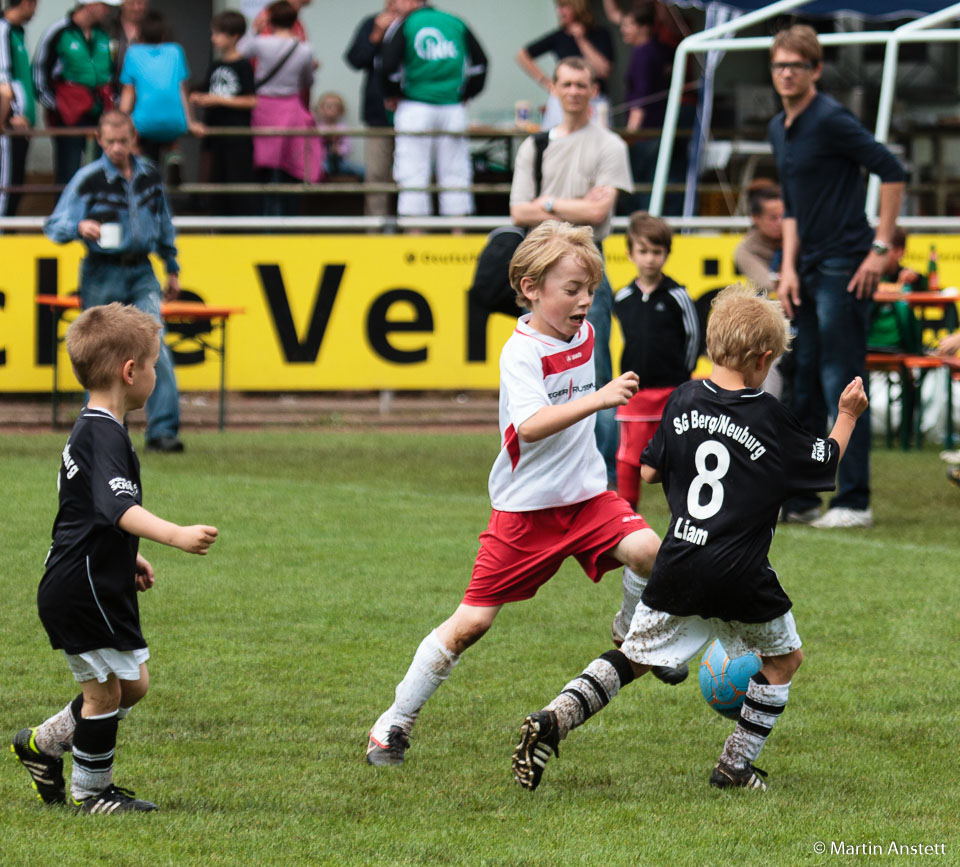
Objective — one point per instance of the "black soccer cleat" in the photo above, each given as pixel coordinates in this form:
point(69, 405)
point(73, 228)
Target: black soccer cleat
point(45, 771)
point(726, 777)
point(539, 739)
point(391, 752)
point(113, 799)
point(669, 675)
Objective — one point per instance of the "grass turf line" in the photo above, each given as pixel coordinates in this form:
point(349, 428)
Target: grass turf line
point(272, 656)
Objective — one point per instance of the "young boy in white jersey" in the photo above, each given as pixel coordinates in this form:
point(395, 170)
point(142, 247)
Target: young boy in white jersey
point(87, 599)
point(548, 485)
point(728, 455)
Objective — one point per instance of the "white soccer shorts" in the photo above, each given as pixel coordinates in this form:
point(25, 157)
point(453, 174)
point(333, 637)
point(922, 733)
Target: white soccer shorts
point(658, 638)
point(100, 664)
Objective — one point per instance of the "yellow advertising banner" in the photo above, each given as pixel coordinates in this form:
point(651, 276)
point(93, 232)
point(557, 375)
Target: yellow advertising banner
point(334, 312)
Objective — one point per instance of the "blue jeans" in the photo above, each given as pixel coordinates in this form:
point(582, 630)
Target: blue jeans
point(599, 317)
point(103, 282)
point(830, 350)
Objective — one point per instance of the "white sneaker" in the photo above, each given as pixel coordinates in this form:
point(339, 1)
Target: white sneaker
point(840, 517)
point(951, 457)
point(804, 516)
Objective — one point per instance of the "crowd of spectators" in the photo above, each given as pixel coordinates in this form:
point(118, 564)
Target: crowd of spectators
point(123, 54)
point(421, 66)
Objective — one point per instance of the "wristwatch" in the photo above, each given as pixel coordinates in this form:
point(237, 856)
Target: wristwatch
point(880, 248)
point(548, 206)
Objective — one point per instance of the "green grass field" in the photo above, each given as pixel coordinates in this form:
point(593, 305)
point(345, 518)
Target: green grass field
point(272, 656)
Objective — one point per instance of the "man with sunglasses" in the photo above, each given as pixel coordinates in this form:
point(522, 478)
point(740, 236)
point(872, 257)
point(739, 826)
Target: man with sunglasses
point(832, 259)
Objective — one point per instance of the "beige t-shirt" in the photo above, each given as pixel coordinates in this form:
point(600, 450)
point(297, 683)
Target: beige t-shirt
point(572, 165)
point(753, 257)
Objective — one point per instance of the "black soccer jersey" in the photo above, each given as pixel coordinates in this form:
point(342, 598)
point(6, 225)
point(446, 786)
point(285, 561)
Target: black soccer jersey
point(87, 597)
point(728, 460)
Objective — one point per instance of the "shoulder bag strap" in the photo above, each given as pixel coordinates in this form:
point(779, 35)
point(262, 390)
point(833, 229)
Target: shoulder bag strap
point(540, 142)
point(258, 84)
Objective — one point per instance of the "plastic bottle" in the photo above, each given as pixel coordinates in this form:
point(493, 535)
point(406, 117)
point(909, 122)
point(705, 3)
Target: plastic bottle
point(933, 276)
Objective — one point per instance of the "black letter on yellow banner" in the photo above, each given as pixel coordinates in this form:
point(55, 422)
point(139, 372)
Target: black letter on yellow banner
point(379, 327)
point(296, 351)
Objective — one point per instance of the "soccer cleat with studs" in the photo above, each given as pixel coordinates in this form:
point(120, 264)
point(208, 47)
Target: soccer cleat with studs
point(539, 739)
point(664, 673)
point(45, 771)
point(671, 676)
point(726, 777)
point(391, 752)
point(114, 799)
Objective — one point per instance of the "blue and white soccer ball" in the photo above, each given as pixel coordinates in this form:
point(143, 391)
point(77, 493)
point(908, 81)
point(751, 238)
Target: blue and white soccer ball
point(724, 681)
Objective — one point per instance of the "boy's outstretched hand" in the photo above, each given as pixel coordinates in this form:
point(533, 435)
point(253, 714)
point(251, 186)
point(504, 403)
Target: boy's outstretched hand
point(196, 539)
point(618, 391)
point(143, 579)
point(853, 401)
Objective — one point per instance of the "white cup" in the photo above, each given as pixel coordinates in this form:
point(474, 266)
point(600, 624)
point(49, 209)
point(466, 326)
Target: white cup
point(110, 236)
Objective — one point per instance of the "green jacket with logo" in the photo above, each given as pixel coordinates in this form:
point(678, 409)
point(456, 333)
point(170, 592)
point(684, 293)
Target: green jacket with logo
point(433, 57)
point(65, 54)
point(15, 70)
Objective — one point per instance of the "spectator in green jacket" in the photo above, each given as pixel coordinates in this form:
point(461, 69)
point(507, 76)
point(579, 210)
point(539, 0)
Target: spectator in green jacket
point(73, 72)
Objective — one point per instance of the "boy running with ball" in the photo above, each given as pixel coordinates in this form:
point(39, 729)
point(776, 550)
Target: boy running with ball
point(728, 455)
point(548, 485)
point(88, 595)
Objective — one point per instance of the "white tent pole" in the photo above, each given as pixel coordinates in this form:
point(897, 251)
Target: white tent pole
point(888, 86)
point(684, 49)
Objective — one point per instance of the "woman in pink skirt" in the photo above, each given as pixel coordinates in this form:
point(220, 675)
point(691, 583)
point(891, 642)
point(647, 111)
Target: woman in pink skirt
point(284, 69)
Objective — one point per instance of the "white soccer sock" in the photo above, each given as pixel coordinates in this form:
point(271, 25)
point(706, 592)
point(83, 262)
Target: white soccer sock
point(431, 666)
point(123, 711)
point(54, 736)
point(633, 587)
point(591, 691)
point(761, 709)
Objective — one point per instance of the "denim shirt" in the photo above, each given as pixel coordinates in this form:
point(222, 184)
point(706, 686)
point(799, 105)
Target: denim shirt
point(100, 192)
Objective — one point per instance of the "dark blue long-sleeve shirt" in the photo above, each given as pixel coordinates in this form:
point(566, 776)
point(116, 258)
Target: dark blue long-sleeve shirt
point(99, 192)
point(820, 160)
point(364, 55)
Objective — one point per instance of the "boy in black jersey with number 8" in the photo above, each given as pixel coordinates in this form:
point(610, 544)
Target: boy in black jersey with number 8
point(88, 596)
point(728, 455)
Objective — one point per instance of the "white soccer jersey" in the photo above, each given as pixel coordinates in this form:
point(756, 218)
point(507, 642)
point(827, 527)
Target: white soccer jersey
point(562, 469)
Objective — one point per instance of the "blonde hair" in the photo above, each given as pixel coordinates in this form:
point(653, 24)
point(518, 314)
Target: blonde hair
point(581, 10)
point(102, 339)
point(332, 94)
point(743, 325)
point(546, 245)
point(800, 39)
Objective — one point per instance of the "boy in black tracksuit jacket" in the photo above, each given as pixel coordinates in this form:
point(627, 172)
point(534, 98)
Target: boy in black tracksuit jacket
point(661, 335)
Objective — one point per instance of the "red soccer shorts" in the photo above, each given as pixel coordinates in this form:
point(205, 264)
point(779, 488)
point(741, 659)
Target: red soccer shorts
point(639, 421)
point(634, 436)
point(521, 551)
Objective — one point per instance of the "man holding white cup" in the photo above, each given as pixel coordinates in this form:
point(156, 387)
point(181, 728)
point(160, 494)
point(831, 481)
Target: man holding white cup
point(117, 206)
